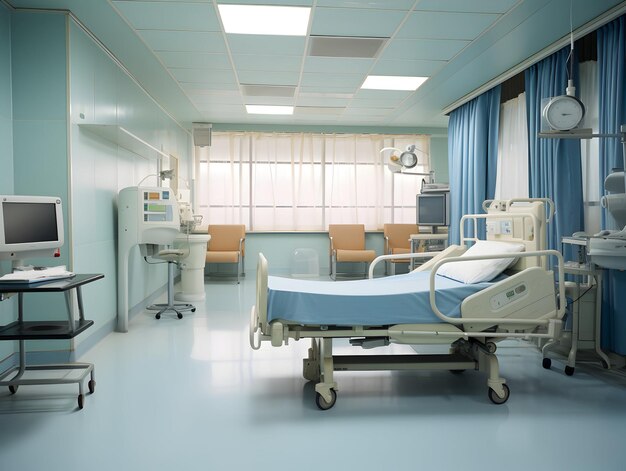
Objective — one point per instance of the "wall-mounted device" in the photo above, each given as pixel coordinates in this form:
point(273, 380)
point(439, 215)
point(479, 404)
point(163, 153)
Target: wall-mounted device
point(146, 215)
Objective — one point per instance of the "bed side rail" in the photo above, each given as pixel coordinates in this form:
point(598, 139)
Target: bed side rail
point(487, 322)
point(258, 314)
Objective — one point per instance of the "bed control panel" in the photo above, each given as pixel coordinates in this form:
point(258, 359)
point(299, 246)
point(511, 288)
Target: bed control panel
point(508, 296)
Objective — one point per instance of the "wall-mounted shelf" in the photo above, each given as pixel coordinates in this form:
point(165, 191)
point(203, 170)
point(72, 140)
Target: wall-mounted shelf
point(126, 139)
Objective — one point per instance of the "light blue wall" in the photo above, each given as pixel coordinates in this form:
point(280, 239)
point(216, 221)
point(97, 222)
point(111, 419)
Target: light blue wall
point(7, 308)
point(439, 158)
point(101, 93)
point(39, 94)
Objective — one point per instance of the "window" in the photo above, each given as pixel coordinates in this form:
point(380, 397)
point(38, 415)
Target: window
point(305, 181)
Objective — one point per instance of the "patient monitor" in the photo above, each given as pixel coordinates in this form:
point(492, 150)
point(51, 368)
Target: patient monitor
point(147, 216)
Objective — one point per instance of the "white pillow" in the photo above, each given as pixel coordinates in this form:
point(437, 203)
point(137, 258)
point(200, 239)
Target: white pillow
point(476, 271)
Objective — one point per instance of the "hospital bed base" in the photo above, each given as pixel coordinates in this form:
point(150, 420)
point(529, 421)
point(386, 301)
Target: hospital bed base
point(321, 364)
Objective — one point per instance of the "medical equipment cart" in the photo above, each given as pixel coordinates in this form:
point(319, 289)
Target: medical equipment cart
point(585, 298)
point(427, 243)
point(22, 330)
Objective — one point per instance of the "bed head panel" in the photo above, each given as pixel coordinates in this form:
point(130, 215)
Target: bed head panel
point(520, 221)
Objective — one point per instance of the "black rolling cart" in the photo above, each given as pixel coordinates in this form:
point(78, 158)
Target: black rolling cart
point(22, 330)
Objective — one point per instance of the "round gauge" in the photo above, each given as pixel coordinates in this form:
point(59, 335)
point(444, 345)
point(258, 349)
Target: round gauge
point(408, 159)
point(564, 112)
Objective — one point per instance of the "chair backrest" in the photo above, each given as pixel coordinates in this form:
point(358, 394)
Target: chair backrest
point(399, 234)
point(225, 237)
point(347, 236)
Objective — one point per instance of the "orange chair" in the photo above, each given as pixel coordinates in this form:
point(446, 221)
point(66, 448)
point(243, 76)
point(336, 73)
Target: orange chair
point(227, 245)
point(398, 241)
point(347, 244)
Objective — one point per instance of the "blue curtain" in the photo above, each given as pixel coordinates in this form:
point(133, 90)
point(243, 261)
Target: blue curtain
point(554, 164)
point(472, 157)
point(612, 93)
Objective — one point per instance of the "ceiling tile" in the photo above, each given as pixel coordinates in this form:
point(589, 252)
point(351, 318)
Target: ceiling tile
point(197, 87)
point(375, 4)
point(368, 113)
point(185, 41)
point(266, 45)
point(260, 77)
point(327, 89)
point(333, 102)
point(443, 25)
point(407, 68)
point(220, 98)
point(266, 62)
point(169, 16)
point(222, 109)
point(260, 100)
point(350, 81)
point(475, 6)
point(194, 60)
point(356, 22)
point(204, 76)
point(423, 49)
point(335, 65)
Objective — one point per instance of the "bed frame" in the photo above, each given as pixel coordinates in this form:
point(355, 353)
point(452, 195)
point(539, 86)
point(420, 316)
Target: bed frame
point(486, 317)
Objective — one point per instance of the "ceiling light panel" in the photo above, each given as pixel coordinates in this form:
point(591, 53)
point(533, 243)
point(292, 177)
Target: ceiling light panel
point(333, 46)
point(269, 109)
point(265, 19)
point(388, 82)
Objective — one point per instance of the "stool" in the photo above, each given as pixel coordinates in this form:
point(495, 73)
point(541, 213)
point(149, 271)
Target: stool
point(172, 257)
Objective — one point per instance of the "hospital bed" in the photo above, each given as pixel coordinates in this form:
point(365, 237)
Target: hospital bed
point(423, 307)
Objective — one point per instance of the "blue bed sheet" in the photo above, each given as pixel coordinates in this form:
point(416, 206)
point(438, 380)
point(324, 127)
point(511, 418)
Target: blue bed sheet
point(400, 299)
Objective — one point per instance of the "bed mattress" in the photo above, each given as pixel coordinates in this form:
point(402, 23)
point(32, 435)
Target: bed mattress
point(400, 299)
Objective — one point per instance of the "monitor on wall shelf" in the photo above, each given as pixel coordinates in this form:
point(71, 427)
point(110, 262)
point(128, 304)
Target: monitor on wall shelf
point(30, 226)
point(433, 209)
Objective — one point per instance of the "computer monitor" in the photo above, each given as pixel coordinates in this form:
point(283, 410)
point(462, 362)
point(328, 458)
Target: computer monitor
point(30, 226)
point(433, 209)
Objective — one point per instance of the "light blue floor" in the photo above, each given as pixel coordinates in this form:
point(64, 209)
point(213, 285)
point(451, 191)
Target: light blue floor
point(190, 394)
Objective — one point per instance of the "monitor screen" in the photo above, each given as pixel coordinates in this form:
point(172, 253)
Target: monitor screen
point(29, 222)
point(432, 209)
point(30, 226)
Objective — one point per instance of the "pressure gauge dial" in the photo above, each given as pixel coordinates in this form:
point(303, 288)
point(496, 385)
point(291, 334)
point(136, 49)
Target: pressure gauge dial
point(564, 112)
point(408, 159)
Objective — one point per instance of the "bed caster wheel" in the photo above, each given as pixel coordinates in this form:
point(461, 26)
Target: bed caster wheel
point(569, 370)
point(497, 399)
point(193, 310)
point(179, 315)
point(158, 316)
point(321, 402)
point(81, 399)
point(546, 363)
point(13, 389)
point(605, 365)
point(92, 386)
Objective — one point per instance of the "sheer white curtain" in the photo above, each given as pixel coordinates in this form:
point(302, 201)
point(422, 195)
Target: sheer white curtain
point(589, 95)
point(512, 169)
point(305, 181)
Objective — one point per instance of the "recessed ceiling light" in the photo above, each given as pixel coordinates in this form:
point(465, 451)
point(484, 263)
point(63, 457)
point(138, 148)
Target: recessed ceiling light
point(264, 19)
point(269, 109)
point(392, 82)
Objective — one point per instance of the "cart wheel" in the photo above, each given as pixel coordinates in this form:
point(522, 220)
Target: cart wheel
point(546, 363)
point(491, 347)
point(569, 370)
point(321, 402)
point(13, 389)
point(179, 315)
point(92, 386)
point(158, 316)
point(193, 310)
point(457, 372)
point(80, 401)
point(497, 399)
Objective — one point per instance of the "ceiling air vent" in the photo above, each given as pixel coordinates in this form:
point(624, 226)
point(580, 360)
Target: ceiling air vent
point(269, 90)
point(341, 46)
